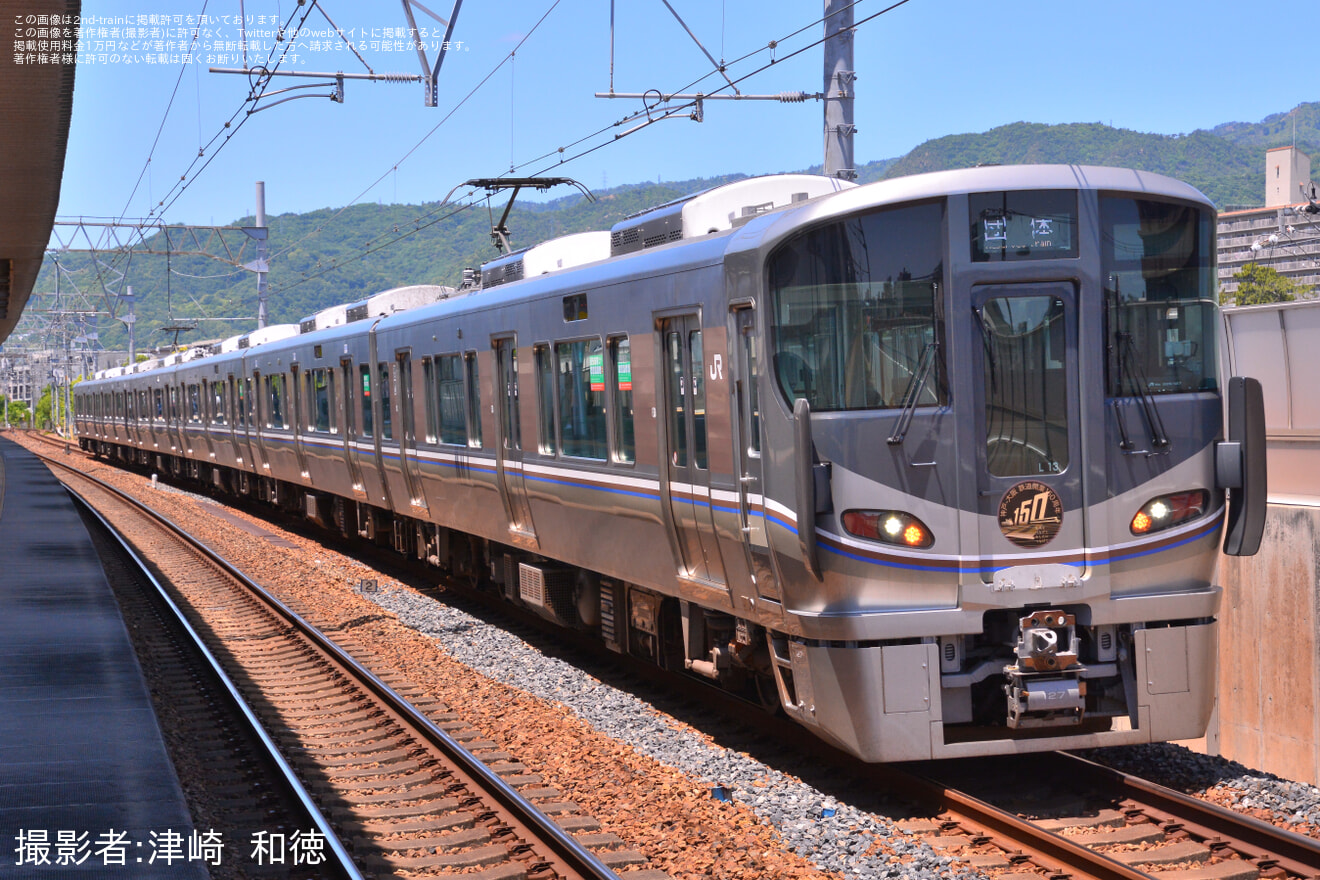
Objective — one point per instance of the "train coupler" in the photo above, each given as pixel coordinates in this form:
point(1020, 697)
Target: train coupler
point(1045, 686)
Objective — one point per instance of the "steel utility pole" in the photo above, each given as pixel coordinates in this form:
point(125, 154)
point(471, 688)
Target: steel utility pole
point(260, 265)
point(130, 321)
point(839, 79)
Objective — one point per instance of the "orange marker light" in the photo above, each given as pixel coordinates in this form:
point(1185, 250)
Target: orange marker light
point(1140, 522)
point(889, 526)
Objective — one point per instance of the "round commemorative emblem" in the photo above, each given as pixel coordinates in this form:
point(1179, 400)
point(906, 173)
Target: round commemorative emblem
point(1030, 514)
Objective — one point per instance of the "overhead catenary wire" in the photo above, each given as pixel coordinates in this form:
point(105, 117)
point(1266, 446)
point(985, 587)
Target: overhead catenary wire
point(415, 147)
point(176, 191)
point(169, 105)
point(678, 109)
point(508, 58)
point(371, 245)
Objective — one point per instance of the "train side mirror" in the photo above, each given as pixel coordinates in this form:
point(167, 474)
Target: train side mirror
point(1240, 467)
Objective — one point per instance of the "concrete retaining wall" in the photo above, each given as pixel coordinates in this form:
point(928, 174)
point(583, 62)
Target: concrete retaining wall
point(1269, 655)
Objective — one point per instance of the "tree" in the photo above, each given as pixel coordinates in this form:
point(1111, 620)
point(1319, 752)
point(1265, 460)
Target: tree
point(41, 416)
point(1259, 285)
point(18, 412)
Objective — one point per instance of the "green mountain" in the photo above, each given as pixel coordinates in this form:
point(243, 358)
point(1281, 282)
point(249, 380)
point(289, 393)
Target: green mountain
point(1278, 130)
point(322, 258)
point(1228, 173)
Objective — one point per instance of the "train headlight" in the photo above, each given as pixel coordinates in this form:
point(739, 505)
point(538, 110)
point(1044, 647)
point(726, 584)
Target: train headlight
point(890, 526)
point(1165, 511)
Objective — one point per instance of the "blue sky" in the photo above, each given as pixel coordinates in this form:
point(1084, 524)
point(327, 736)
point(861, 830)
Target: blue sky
point(925, 69)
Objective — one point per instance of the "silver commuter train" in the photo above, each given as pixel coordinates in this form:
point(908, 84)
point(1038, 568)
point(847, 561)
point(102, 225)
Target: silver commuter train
point(936, 464)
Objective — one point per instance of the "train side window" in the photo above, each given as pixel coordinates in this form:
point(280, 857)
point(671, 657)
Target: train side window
point(698, 399)
point(332, 411)
point(295, 407)
point(506, 377)
point(320, 401)
point(218, 415)
point(449, 401)
point(752, 384)
point(160, 403)
point(625, 445)
point(407, 411)
point(582, 398)
point(473, 383)
point(429, 393)
point(275, 396)
point(545, 400)
point(386, 415)
point(305, 393)
point(368, 422)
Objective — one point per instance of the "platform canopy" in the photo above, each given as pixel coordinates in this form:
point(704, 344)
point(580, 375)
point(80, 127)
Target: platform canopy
point(36, 104)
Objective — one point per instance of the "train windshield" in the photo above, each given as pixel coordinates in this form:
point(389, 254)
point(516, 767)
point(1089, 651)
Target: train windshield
point(1158, 264)
point(855, 308)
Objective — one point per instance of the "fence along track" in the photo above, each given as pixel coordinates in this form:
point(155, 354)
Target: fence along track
point(410, 795)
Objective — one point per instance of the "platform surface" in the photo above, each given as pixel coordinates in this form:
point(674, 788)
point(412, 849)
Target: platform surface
point(80, 749)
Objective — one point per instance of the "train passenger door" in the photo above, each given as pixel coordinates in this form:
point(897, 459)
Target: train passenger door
point(175, 419)
point(751, 497)
point(1029, 435)
point(236, 420)
point(351, 407)
point(257, 414)
point(412, 476)
point(297, 420)
point(687, 488)
point(508, 451)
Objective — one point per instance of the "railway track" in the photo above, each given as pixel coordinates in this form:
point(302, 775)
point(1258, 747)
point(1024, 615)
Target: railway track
point(1058, 814)
point(1074, 818)
point(231, 773)
point(402, 793)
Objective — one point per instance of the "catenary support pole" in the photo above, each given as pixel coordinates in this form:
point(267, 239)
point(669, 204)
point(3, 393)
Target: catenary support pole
point(262, 315)
point(839, 79)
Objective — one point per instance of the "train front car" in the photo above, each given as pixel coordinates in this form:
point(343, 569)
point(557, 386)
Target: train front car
point(989, 412)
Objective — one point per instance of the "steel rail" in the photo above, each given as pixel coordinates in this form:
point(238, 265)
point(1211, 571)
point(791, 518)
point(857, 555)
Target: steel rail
point(343, 861)
point(1252, 838)
point(1044, 848)
point(576, 859)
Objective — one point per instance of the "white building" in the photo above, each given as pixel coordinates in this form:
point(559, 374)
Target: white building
point(1284, 235)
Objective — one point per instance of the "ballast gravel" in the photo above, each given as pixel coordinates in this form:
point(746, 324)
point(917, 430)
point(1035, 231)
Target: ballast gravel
point(831, 835)
point(1227, 783)
point(834, 836)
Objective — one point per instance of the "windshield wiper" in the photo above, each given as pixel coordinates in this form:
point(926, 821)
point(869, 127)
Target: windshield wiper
point(1129, 366)
point(912, 393)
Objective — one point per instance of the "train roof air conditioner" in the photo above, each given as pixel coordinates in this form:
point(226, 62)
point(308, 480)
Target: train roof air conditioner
point(564, 252)
point(397, 300)
point(331, 317)
point(718, 209)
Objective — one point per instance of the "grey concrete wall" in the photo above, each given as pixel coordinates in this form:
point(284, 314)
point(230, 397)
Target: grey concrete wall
point(1269, 653)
